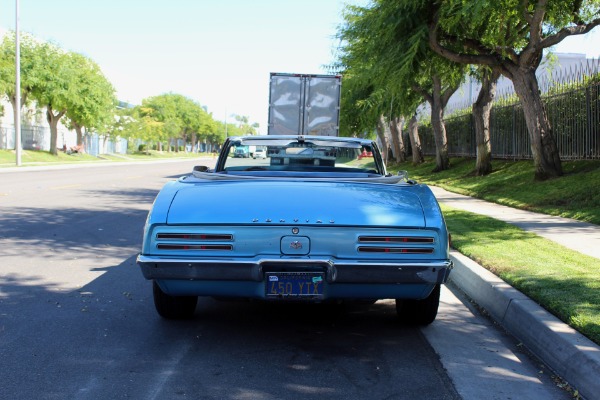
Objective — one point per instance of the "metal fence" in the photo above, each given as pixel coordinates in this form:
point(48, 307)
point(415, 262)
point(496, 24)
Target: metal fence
point(32, 137)
point(7, 138)
point(572, 101)
point(35, 137)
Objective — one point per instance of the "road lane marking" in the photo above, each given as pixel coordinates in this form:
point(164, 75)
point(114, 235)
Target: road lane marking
point(66, 186)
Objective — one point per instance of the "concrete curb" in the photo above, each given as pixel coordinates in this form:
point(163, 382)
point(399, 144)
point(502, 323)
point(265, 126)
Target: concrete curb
point(570, 354)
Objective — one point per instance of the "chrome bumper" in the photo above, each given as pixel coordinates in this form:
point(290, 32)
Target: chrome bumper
point(335, 271)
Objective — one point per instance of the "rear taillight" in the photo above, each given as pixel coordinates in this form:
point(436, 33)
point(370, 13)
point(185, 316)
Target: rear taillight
point(395, 239)
point(401, 250)
point(194, 236)
point(194, 241)
point(396, 244)
point(163, 246)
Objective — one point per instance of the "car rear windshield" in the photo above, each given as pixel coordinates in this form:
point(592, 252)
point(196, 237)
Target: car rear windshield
point(306, 156)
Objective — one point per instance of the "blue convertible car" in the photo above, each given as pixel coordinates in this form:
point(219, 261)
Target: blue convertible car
point(319, 219)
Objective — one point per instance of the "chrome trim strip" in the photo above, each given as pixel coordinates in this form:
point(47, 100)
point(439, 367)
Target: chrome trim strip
point(162, 260)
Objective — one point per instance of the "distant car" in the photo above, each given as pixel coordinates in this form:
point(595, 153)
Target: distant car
point(241, 152)
point(259, 153)
point(314, 224)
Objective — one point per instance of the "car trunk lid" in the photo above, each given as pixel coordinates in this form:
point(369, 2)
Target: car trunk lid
point(297, 202)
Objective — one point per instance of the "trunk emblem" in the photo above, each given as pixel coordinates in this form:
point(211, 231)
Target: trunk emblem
point(295, 245)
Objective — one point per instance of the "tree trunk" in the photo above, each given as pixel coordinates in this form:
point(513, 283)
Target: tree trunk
point(53, 122)
point(194, 141)
point(104, 141)
point(396, 125)
point(381, 128)
point(415, 142)
point(543, 146)
point(438, 100)
point(79, 131)
point(442, 160)
point(13, 102)
point(482, 109)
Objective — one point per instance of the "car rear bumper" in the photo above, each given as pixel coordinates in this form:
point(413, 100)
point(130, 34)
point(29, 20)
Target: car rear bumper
point(334, 271)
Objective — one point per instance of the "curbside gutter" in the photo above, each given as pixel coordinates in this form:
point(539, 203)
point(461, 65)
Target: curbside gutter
point(571, 355)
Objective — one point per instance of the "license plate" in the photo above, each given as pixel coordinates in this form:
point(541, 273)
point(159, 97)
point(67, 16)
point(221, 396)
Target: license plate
point(292, 285)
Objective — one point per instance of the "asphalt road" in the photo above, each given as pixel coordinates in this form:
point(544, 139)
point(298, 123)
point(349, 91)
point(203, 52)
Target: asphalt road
point(77, 319)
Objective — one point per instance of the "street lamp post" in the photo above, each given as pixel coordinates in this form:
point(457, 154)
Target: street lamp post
point(17, 87)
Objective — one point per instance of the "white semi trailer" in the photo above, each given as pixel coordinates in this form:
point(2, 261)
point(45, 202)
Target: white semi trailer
point(302, 104)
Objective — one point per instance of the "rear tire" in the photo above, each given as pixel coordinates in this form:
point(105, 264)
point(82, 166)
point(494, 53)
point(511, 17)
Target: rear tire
point(419, 312)
point(173, 307)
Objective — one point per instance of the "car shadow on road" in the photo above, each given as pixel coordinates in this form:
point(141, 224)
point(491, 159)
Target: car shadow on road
point(119, 222)
point(106, 339)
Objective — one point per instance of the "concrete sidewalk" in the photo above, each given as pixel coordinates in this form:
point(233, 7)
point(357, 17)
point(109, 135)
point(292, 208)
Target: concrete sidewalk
point(571, 355)
point(576, 235)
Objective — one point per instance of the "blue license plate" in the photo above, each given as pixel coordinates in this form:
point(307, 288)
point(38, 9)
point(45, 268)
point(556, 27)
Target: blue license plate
point(299, 285)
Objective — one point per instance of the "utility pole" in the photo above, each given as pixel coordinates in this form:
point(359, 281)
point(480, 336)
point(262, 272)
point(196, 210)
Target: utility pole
point(17, 87)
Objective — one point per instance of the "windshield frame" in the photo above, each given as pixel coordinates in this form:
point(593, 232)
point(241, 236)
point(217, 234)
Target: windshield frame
point(377, 167)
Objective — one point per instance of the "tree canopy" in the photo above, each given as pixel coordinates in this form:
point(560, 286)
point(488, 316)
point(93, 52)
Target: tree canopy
point(71, 85)
point(383, 47)
point(399, 45)
point(93, 102)
point(32, 65)
point(510, 36)
point(169, 117)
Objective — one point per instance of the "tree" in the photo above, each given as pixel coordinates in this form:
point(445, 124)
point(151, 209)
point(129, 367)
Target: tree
point(55, 86)
point(355, 118)
point(388, 39)
point(244, 125)
point(510, 36)
point(437, 90)
point(65, 83)
point(92, 100)
point(482, 109)
point(396, 125)
point(415, 142)
point(362, 107)
point(207, 128)
point(32, 65)
point(383, 133)
point(122, 124)
point(163, 109)
point(171, 117)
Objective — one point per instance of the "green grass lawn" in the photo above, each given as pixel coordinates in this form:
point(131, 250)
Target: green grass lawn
point(574, 195)
point(563, 281)
point(32, 157)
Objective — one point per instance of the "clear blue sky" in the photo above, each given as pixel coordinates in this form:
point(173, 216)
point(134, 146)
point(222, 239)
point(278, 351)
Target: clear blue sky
point(216, 52)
